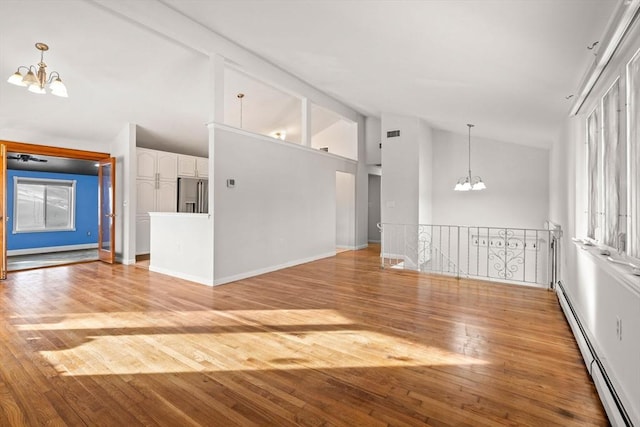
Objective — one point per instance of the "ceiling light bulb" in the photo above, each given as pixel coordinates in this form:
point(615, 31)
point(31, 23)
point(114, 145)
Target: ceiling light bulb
point(479, 185)
point(58, 88)
point(466, 186)
point(37, 89)
point(30, 79)
point(17, 79)
point(458, 187)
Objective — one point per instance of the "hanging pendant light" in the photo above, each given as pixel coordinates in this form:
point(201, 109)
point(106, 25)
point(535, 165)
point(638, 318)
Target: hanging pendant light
point(36, 79)
point(470, 182)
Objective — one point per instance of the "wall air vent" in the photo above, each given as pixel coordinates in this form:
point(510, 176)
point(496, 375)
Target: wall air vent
point(393, 133)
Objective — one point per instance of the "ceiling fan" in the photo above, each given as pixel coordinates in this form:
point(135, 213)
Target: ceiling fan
point(26, 158)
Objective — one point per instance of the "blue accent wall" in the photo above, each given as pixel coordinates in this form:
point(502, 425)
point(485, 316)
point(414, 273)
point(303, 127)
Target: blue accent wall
point(86, 214)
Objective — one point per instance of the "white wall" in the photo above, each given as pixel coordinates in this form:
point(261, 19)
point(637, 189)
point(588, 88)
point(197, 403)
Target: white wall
point(282, 210)
point(123, 149)
point(425, 177)
point(399, 190)
point(407, 171)
point(188, 257)
point(517, 179)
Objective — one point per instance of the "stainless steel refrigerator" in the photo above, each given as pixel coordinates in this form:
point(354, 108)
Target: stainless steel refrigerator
point(193, 195)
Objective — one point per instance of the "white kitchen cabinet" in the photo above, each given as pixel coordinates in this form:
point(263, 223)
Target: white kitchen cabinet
point(186, 165)
point(146, 196)
point(202, 166)
point(156, 190)
point(166, 197)
point(156, 196)
point(192, 166)
point(153, 164)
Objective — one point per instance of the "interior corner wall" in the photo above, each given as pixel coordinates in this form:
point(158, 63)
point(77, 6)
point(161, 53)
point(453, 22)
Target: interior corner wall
point(282, 209)
point(517, 179)
point(123, 148)
point(425, 168)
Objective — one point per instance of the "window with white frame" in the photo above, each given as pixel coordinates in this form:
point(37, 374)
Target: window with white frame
point(613, 169)
point(593, 178)
point(633, 150)
point(606, 163)
point(43, 205)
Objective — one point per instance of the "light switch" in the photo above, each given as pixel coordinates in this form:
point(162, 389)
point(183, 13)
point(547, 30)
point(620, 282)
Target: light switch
point(231, 183)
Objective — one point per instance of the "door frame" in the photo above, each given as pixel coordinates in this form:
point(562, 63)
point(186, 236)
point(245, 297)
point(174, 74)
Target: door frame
point(107, 213)
point(43, 150)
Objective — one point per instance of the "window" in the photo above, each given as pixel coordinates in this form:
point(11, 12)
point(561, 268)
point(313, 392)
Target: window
point(593, 165)
point(43, 205)
point(633, 138)
point(262, 109)
point(606, 162)
point(613, 169)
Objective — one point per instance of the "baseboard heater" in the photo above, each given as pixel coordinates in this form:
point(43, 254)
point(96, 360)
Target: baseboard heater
point(613, 405)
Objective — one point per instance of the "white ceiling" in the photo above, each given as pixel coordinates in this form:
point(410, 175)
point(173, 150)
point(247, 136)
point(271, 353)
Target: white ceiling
point(505, 65)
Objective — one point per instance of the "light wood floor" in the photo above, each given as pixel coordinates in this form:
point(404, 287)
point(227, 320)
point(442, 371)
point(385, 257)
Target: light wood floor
point(337, 342)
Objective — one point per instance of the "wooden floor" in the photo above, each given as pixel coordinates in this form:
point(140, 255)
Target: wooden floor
point(337, 342)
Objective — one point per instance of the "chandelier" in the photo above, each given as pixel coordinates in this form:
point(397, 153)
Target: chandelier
point(36, 78)
point(468, 182)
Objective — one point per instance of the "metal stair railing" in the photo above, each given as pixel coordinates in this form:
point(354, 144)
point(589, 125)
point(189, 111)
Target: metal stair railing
point(513, 255)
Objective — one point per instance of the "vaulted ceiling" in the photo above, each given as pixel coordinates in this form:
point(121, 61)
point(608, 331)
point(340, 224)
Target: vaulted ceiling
point(504, 65)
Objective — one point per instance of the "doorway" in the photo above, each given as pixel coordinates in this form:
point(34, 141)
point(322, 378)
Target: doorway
point(39, 227)
point(345, 211)
point(374, 208)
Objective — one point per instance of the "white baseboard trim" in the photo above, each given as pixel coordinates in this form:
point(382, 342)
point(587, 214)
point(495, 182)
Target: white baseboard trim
point(49, 249)
point(236, 277)
point(363, 246)
point(190, 277)
point(375, 241)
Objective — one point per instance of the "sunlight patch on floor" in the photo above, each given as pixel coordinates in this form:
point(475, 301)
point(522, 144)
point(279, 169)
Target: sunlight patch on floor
point(179, 353)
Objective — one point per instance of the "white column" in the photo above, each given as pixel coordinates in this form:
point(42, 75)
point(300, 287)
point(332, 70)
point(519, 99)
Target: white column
point(216, 115)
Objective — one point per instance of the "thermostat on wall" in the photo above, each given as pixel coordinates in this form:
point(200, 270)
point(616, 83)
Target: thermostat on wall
point(231, 183)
